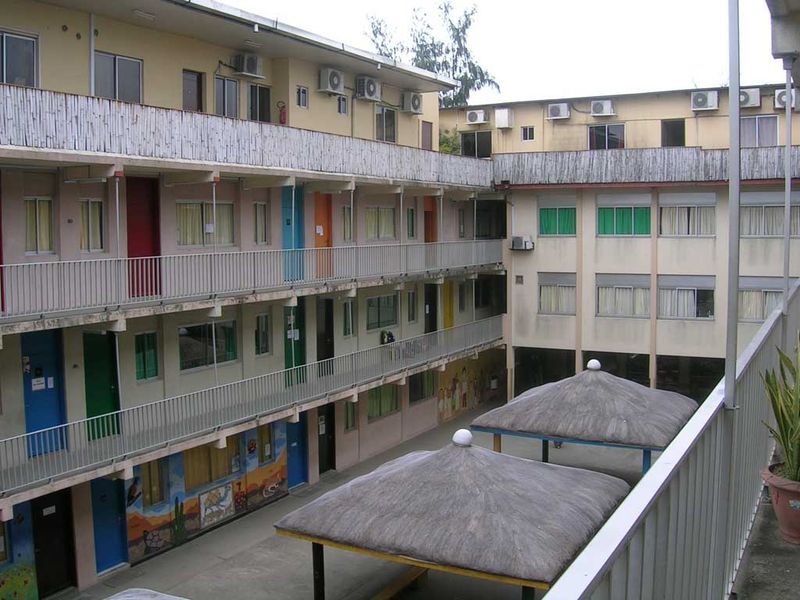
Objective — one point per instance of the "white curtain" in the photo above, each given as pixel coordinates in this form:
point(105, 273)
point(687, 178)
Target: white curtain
point(566, 299)
point(347, 231)
point(750, 220)
point(548, 299)
point(190, 224)
point(386, 226)
point(750, 305)
point(747, 131)
point(623, 298)
point(262, 225)
point(641, 302)
point(677, 303)
point(38, 225)
point(371, 222)
point(605, 301)
point(773, 220)
point(795, 220)
point(224, 226)
point(91, 225)
point(706, 223)
point(669, 220)
point(772, 300)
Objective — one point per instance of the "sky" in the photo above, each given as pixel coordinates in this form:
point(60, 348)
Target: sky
point(541, 49)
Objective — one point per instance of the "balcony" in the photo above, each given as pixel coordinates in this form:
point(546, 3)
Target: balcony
point(101, 441)
point(638, 165)
point(74, 126)
point(61, 287)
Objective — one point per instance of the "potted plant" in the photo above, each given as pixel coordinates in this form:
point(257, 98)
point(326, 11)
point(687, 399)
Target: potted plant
point(783, 479)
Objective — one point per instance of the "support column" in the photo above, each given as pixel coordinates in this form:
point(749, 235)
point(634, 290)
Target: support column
point(653, 362)
point(579, 282)
point(83, 532)
point(318, 561)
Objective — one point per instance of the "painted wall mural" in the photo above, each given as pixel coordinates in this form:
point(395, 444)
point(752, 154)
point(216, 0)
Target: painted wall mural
point(18, 573)
point(466, 383)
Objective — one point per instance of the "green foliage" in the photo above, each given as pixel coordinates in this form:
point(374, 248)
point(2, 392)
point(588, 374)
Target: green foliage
point(449, 142)
point(450, 56)
point(784, 396)
point(178, 524)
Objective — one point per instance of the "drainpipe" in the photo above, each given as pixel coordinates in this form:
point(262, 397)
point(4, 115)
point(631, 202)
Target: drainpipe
point(402, 255)
point(91, 53)
point(119, 256)
point(214, 237)
point(788, 61)
point(293, 267)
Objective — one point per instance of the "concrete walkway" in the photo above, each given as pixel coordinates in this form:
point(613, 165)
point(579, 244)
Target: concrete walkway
point(245, 558)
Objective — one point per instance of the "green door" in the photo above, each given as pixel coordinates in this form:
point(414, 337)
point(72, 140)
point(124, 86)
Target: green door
point(100, 380)
point(294, 340)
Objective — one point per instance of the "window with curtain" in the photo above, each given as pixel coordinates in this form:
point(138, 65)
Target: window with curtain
point(411, 301)
point(623, 220)
point(226, 97)
point(118, 77)
point(196, 344)
point(756, 305)
point(91, 225)
point(382, 401)
point(623, 301)
point(685, 303)
point(557, 221)
point(759, 131)
point(146, 355)
point(421, 386)
point(350, 416)
point(263, 334)
point(265, 448)
point(381, 311)
point(193, 217)
point(557, 299)
point(385, 124)
point(38, 225)
point(767, 221)
point(17, 59)
point(347, 224)
point(152, 481)
point(262, 224)
point(687, 220)
point(205, 464)
point(348, 314)
point(380, 223)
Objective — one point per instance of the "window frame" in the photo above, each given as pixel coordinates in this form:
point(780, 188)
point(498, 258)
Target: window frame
point(348, 317)
point(411, 222)
point(462, 296)
point(200, 81)
point(350, 416)
point(265, 317)
point(794, 208)
point(4, 34)
point(37, 200)
point(89, 202)
point(633, 314)
point(222, 111)
point(302, 97)
point(696, 290)
point(757, 120)
point(462, 223)
point(381, 112)
point(162, 483)
point(379, 211)
point(215, 360)
point(696, 207)
point(427, 382)
point(633, 233)
point(157, 375)
point(411, 306)
point(382, 323)
point(206, 219)
point(117, 58)
point(342, 107)
point(263, 457)
point(663, 132)
point(590, 127)
point(558, 210)
point(376, 395)
point(557, 312)
point(528, 133)
point(256, 87)
point(266, 208)
point(485, 133)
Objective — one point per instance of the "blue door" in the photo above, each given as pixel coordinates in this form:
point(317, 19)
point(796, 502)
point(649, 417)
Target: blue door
point(296, 439)
point(42, 378)
point(110, 528)
point(292, 232)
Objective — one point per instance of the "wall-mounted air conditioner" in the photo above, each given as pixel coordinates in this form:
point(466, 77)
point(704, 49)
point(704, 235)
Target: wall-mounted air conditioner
point(248, 65)
point(476, 117)
point(368, 88)
point(602, 108)
point(503, 118)
point(412, 102)
point(558, 110)
point(331, 81)
point(780, 99)
point(750, 98)
point(705, 100)
point(522, 242)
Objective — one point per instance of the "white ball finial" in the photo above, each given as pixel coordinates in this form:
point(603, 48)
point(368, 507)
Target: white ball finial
point(593, 365)
point(462, 437)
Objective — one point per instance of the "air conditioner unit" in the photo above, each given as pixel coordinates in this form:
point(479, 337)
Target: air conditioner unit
point(503, 118)
point(368, 88)
point(750, 98)
point(602, 108)
point(705, 100)
point(476, 117)
point(780, 99)
point(559, 110)
point(521, 242)
point(249, 65)
point(331, 81)
point(412, 102)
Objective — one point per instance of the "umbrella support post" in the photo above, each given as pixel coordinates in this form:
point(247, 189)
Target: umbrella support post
point(528, 593)
point(545, 454)
point(497, 441)
point(646, 461)
point(318, 561)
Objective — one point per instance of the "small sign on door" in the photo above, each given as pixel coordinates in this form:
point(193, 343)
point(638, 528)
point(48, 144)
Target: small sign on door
point(322, 425)
point(49, 510)
point(37, 384)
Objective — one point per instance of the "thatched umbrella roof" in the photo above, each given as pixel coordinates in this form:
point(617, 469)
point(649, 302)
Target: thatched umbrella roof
point(467, 507)
point(594, 406)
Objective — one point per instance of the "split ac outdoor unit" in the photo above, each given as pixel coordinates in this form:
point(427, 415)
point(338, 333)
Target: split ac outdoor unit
point(368, 88)
point(331, 81)
point(602, 108)
point(559, 110)
point(412, 102)
point(249, 65)
point(503, 118)
point(521, 242)
point(780, 99)
point(476, 117)
point(750, 98)
point(705, 100)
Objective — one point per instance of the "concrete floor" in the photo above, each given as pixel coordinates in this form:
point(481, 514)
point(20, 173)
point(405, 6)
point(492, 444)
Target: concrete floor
point(245, 558)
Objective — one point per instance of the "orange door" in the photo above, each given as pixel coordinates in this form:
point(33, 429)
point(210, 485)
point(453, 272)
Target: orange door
point(431, 233)
point(323, 234)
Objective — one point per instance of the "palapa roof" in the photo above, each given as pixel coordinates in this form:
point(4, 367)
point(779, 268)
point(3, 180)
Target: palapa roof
point(466, 507)
point(595, 406)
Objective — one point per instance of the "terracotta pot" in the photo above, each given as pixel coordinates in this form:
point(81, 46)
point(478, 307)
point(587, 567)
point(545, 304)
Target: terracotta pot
point(785, 496)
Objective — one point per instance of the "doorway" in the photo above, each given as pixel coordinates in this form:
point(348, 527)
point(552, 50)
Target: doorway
point(327, 437)
point(110, 526)
point(296, 440)
point(325, 348)
point(42, 379)
point(447, 302)
point(141, 199)
point(431, 300)
point(323, 236)
point(53, 542)
point(431, 224)
point(100, 382)
point(292, 231)
point(294, 341)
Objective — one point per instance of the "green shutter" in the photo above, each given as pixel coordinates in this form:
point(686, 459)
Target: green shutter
point(641, 220)
point(151, 355)
point(566, 221)
point(624, 221)
point(140, 351)
point(548, 221)
point(605, 221)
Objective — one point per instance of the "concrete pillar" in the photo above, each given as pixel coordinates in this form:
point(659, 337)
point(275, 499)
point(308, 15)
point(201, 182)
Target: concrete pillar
point(83, 529)
point(313, 446)
point(579, 200)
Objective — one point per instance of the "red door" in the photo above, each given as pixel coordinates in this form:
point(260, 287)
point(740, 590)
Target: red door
point(144, 271)
point(323, 236)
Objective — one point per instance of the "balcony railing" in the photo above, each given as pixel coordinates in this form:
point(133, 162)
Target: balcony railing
point(33, 118)
point(47, 288)
point(682, 530)
point(638, 165)
point(80, 445)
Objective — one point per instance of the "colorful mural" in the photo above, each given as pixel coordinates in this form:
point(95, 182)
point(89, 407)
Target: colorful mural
point(466, 383)
point(18, 573)
point(182, 515)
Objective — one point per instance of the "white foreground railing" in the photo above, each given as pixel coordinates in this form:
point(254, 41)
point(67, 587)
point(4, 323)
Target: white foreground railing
point(682, 530)
point(45, 288)
point(80, 445)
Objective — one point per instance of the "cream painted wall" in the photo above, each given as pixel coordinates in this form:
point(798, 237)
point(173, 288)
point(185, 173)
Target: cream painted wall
point(12, 403)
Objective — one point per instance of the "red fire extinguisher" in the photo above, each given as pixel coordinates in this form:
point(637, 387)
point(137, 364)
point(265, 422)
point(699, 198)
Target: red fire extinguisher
point(282, 112)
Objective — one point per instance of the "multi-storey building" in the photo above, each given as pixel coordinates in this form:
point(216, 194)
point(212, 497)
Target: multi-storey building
point(212, 225)
point(618, 205)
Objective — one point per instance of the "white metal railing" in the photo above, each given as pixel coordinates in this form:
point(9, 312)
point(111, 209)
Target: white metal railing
point(79, 445)
point(34, 118)
point(42, 288)
point(682, 530)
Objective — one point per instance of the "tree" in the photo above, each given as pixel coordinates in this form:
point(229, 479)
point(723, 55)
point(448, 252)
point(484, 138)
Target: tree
point(450, 56)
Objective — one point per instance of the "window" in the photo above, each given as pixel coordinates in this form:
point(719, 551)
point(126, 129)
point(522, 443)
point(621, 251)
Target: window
point(152, 480)
point(196, 223)
point(673, 133)
point(382, 401)
point(17, 59)
point(380, 223)
point(606, 137)
point(197, 346)
point(205, 464)
point(192, 91)
point(767, 221)
point(527, 133)
point(3, 543)
point(146, 351)
point(38, 225)
point(756, 305)
point(421, 386)
point(348, 314)
point(117, 77)
point(557, 221)
point(226, 97)
point(347, 223)
point(477, 144)
point(262, 225)
point(411, 300)
point(258, 106)
point(385, 124)
point(483, 293)
point(685, 303)
point(426, 133)
point(462, 296)
point(350, 416)
point(687, 220)
point(91, 225)
point(263, 334)
point(462, 223)
point(381, 311)
point(557, 299)
point(302, 96)
point(265, 449)
point(341, 105)
point(623, 220)
point(411, 222)
point(623, 301)
point(761, 130)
